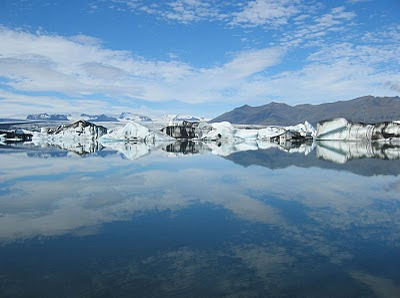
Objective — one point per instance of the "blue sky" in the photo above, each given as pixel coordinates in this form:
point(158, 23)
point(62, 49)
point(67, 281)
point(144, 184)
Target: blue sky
point(192, 56)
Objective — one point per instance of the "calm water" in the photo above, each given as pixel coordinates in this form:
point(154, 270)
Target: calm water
point(251, 223)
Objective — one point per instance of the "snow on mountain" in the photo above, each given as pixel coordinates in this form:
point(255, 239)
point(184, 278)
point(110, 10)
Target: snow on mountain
point(99, 118)
point(340, 129)
point(174, 119)
point(49, 117)
point(134, 117)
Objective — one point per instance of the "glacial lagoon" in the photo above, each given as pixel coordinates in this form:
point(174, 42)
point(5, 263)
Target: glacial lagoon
point(196, 219)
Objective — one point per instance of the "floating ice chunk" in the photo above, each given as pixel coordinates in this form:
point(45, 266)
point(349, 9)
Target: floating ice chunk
point(270, 132)
point(134, 132)
point(219, 131)
point(247, 134)
point(342, 130)
point(304, 129)
point(78, 131)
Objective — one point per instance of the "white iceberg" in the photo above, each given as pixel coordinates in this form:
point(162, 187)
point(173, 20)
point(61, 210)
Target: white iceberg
point(304, 129)
point(340, 129)
point(225, 131)
point(79, 131)
point(217, 131)
point(134, 132)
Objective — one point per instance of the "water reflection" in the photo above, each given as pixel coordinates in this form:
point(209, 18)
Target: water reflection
point(204, 226)
point(333, 151)
point(342, 152)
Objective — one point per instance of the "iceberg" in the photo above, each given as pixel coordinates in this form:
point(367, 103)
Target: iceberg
point(340, 129)
point(225, 131)
point(78, 131)
point(80, 137)
point(134, 132)
point(304, 129)
point(217, 131)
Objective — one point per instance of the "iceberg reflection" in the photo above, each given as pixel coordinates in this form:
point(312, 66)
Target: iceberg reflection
point(339, 152)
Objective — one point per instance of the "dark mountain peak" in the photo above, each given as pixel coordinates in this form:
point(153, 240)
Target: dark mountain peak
point(366, 109)
point(274, 103)
point(243, 107)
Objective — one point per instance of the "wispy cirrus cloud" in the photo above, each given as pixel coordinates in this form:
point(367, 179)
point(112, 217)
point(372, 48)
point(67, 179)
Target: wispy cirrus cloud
point(181, 11)
point(265, 12)
point(235, 14)
point(318, 28)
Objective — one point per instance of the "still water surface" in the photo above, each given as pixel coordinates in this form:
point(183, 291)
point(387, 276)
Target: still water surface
point(253, 223)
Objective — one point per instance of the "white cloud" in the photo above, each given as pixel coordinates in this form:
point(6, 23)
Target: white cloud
point(266, 12)
point(186, 11)
point(243, 14)
point(79, 66)
point(319, 28)
point(181, 11)
point(357, 1)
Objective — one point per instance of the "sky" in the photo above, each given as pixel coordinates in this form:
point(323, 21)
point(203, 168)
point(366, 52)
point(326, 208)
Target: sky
point(193, 57)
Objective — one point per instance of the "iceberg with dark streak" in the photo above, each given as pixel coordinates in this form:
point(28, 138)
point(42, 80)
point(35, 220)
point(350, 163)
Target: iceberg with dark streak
point(78, 131)
point(340, 129)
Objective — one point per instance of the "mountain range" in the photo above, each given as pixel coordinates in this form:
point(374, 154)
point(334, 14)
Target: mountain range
point(367, 109)
point(48, 117)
